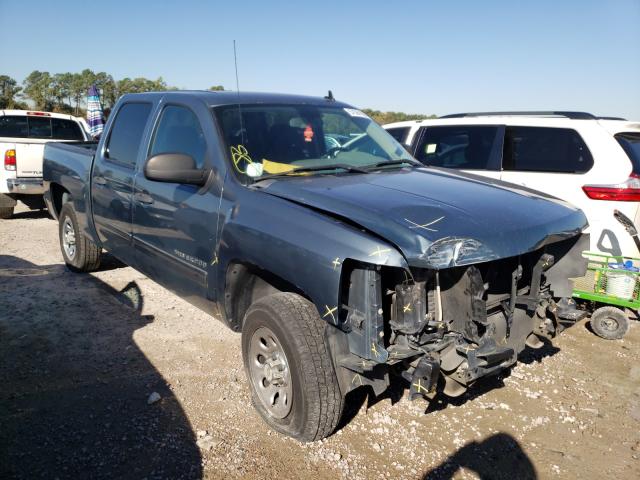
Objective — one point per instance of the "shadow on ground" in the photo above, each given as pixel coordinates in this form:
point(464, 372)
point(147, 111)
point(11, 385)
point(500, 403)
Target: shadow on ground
point(73, 401)
point(27, 214)
point(497, 457)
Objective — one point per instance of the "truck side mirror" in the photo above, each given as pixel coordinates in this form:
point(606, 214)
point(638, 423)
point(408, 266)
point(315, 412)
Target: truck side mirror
point(174, 168)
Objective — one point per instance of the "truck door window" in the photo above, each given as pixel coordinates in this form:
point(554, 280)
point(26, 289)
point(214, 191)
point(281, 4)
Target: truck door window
point(179, 131)
point(464, 147)
point(544, 149)
point(126, 133)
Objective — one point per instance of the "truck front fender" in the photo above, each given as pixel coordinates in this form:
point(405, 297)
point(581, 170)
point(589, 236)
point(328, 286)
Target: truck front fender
point(301, 246)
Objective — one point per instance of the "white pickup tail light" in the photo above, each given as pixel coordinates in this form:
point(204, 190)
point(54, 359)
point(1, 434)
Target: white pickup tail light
point(627, 191)
point(10, 160)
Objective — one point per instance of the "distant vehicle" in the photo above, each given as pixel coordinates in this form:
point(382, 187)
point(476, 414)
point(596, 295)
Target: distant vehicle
point(22, 137)
point(339, 265)
point(591, 162)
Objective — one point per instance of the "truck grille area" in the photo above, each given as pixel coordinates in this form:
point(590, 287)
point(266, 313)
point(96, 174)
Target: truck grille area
point(448, 328)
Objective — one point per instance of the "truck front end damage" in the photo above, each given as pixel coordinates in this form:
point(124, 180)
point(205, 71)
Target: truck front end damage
point(443, 329)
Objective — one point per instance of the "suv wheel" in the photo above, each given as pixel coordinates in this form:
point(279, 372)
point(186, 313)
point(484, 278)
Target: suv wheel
point(79, 253)
point(290, 371)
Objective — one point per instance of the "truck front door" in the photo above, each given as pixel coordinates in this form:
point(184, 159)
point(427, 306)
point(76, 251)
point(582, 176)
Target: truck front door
point(174, 225)
point(112, 179)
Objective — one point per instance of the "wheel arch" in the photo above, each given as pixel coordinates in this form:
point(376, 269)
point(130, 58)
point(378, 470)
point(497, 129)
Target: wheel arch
point(244, 283)
point(59, 196)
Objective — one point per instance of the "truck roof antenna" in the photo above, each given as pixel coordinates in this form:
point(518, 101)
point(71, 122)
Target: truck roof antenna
point(330, 96)
point(235, 60)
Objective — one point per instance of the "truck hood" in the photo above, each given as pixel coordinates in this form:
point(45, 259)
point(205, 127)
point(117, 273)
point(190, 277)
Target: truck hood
point(437, 218)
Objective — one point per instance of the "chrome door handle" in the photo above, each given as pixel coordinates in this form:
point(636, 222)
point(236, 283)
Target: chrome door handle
point(99, 180)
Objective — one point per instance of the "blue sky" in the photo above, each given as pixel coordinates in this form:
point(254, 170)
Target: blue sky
point(414, 56)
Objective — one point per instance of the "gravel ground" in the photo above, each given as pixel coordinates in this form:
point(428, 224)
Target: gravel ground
point(108, 375)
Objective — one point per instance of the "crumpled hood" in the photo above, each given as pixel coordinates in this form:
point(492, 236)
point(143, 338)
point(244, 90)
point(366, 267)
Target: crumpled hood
point(438, 218)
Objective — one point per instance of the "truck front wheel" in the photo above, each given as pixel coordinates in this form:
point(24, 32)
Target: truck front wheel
point(79, 253)
point(290, 370)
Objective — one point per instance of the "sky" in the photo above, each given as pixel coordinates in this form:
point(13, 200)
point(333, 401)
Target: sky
point(414, 56)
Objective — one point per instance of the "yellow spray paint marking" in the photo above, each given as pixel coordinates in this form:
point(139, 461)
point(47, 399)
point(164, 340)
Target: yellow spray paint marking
point(240, 154)
point(420, 387)
point(406, 308)
point(374, 350)
point(215, 259)
point(358, 377)
point(364, 364)
point(336, 263)
point(379, 251)
point(425, 226)
point(330, 312)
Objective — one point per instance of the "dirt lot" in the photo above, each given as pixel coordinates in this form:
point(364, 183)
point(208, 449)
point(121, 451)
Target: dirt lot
point(79, 361)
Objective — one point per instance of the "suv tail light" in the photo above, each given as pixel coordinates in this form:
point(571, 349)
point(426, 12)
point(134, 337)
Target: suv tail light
point(627, 191)
point(10, 160)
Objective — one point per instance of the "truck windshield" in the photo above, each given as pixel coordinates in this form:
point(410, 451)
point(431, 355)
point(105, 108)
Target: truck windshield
point(264, 140)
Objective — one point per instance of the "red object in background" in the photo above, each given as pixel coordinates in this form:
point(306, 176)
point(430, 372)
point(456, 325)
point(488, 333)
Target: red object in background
point(308, 134)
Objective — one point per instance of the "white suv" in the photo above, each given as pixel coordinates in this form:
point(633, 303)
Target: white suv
point(22, 137)
point(591, 162)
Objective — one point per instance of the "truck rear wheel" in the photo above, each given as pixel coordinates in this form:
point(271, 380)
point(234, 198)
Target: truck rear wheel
point(290, 370)
point(79, 253)
point(610, 323)
point(6, 212)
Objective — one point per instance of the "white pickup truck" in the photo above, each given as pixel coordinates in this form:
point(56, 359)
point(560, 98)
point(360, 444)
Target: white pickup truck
point(22, 137)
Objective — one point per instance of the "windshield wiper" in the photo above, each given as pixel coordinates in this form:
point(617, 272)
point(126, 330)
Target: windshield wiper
point(316, 168)
point(404, 161)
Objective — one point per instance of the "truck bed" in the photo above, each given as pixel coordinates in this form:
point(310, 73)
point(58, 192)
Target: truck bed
point(68, 164)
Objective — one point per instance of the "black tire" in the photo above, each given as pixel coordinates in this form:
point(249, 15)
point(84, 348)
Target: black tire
point(316, 404)
point(86, 257)
point(610, 323)
point(6, 212)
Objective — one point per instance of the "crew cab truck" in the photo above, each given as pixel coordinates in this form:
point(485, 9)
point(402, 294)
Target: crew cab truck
point(22, 137)
point(340, 263)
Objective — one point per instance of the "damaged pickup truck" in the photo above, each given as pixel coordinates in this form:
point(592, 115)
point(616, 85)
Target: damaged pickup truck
point(305, 226)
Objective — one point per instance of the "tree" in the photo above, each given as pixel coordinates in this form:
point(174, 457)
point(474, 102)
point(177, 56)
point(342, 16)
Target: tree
point(62, 91)
point(38, 87)
point(217, 88)
point(390, 117)
point(9, 91)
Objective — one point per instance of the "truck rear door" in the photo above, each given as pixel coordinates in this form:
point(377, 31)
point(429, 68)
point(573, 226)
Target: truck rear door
point(112, 178)
point(175, 225)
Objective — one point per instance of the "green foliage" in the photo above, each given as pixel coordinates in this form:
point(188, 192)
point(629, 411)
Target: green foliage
point(67, 93)
point(383, 118)
point(9, 92)
point(38, 86)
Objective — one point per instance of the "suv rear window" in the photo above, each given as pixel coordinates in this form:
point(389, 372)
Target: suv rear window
point(21, 126)
point(466, 147)
point(542, 149)
point(630, 142)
